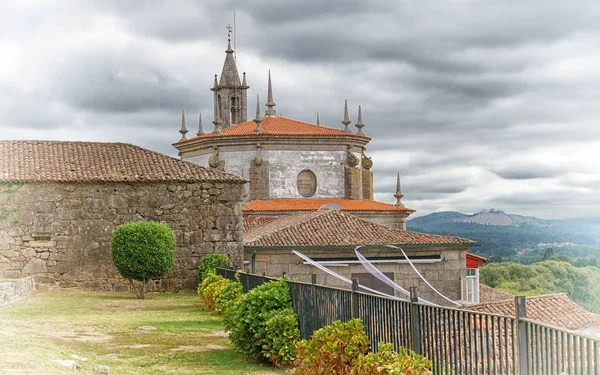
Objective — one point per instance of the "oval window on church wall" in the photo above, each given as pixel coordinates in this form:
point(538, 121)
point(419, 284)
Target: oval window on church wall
point(307, 183)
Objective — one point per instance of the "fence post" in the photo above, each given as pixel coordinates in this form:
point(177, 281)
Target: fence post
point(522, 339)
point(415, 320)
point(354, 301)
point(313, 296)
point(246, 282)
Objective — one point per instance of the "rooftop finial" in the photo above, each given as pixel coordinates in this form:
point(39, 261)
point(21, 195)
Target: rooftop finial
point(359, 123)
point(346, 121)
point(270, 103)
point(183, 129)
point(258, 119)
point(200, 126)
point(229, 30)
point(244, 80)
point(215, 84)
point(398, 194)
point(318, 119)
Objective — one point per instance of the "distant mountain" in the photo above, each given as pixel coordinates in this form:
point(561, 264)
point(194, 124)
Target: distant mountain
point(500, 233)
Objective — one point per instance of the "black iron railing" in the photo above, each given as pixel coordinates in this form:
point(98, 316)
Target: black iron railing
point(456, 341)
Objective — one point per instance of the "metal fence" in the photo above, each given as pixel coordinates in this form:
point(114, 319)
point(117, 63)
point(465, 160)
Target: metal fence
point(456, 341)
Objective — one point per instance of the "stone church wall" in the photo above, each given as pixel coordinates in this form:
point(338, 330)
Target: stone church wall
point(284, 167)
point(60, 232)
point(446, 276)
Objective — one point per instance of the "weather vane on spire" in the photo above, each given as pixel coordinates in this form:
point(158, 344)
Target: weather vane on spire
point(229, 29)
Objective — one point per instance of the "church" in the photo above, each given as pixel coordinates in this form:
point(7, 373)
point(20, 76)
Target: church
point(310, 189)
point(292, 166)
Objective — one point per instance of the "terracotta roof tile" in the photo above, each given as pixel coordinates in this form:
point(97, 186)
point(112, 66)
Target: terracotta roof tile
point(55, 161)
point(276, 126)
point(489, 294)
point(554, 309)
point(334, 228)
point(253, 222)
point(315, 204)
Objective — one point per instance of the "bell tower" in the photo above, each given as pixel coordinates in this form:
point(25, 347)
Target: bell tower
point(230, 95)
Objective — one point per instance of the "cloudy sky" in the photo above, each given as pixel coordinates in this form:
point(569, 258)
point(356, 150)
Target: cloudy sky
point(478, 104)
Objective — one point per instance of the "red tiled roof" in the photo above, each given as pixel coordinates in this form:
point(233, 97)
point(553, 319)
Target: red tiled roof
point(276, 126)
point(331, 228)
point(55, 161)
point(489, 294)
point(315, 204)
point(253, 222)
point(554, 309)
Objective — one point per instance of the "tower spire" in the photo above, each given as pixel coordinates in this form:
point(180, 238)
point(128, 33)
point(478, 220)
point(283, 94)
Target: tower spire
point(200, 126)
point(359, 123)
point(318, 119)
point(258, 119)
point(183, 129)
point(346, 121)
point(398, 194)
point(270, 103)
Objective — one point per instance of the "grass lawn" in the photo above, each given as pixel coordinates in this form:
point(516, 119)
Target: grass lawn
point(103, 327)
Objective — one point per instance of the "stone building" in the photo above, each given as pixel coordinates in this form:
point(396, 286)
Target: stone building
point(329, 237)
point(291, 166)
point(61, 201)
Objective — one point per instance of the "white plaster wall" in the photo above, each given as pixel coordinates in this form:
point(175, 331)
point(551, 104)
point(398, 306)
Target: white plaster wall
point(284, 167)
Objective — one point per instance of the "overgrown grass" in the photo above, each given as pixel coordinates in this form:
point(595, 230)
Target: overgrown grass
point(103, 327)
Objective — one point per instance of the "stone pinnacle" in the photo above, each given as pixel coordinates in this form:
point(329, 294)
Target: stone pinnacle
point(359, 123)
point(200, 126)
point(183, 129)
point(398, 194)
point(270, 103)
point(346, 121)
point(258, 120)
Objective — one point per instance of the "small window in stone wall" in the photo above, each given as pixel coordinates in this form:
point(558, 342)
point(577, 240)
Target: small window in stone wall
point(307, 183)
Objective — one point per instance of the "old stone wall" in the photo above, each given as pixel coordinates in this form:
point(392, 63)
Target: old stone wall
point(61, 232)
point(446, 276)
point(16, 289)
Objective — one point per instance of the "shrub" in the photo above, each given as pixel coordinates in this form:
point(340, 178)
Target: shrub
point(247, 318)
point(389, 362)
point(226, 297)
point(143, 250)
point(212, 278)
point(332, 349)
point(280, 336)
point(209, 264)
point(211, 290)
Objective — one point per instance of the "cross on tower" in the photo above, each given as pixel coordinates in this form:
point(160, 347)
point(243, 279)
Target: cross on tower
point(229, 29)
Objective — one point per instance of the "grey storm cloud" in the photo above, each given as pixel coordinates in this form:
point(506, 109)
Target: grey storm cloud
point(527, 171)
point(463, 99)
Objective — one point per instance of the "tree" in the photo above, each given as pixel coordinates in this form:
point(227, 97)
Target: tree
point(143, 250)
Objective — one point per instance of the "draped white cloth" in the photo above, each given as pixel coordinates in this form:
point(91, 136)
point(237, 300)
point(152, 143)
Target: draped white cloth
point(340, 277)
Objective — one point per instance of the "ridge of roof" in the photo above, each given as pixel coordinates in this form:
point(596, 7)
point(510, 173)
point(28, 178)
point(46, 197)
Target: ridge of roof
point(80, 161)
point(275, 126)
point(311, 204)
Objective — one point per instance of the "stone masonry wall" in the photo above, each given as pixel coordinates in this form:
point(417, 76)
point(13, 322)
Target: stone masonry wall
point(16, 289)
point(446, 276)
point(61, 232)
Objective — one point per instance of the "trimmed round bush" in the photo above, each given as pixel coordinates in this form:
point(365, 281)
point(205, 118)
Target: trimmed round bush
point(209, 264)
point(143, 250)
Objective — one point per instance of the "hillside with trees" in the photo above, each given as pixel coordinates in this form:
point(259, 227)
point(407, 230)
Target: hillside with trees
point(581, 284)
point(504, 235)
